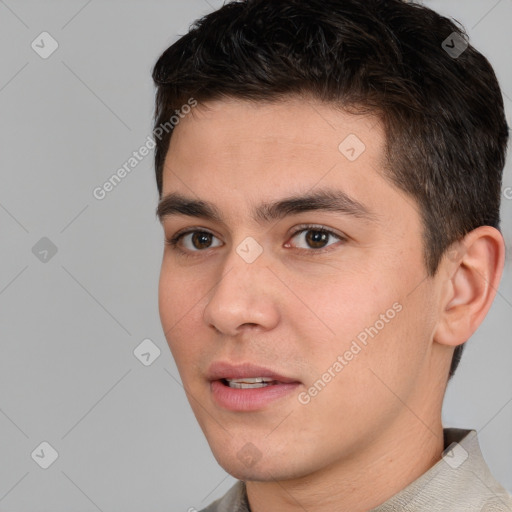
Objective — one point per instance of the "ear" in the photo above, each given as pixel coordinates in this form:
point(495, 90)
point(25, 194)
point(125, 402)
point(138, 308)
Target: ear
point(471, 275)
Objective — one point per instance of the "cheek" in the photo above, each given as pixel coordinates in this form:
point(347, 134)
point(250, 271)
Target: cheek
point(350, 303)
point(177, 291)
point(166, 298)
point(179, 302)
point(374, 314)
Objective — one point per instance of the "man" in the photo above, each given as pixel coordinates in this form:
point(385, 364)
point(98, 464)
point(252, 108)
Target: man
point(316, 366)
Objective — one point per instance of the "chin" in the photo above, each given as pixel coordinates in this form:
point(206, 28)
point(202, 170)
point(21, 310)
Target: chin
point(257, 473)
point(248, 464)
point(246, 474)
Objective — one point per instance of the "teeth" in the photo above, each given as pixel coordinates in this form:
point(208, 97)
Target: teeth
point(249, 382)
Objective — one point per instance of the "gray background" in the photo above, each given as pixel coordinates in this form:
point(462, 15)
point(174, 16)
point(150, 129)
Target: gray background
point(125, 435)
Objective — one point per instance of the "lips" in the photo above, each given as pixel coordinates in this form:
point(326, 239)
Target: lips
point(224, 371)
point(247, 387)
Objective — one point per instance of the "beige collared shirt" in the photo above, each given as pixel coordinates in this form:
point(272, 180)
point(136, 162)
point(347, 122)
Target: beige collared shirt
point(459, 482)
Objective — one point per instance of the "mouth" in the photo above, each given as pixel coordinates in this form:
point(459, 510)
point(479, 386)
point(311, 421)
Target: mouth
point(246, 387)
point(250, 382)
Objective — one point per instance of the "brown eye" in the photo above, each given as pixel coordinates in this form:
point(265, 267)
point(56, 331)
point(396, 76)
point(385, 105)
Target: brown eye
point(316, 237)
point(201, 239)
point(193, 241)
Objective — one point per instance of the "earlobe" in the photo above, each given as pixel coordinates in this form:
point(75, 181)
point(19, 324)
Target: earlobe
point(473, 276)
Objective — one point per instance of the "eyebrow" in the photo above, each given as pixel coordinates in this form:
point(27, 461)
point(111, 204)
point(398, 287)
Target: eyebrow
point(327, 200)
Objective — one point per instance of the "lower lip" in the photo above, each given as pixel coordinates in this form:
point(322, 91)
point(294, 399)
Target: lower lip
point(235, 399)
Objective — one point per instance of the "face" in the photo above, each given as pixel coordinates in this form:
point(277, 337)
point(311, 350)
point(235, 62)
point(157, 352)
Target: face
point(327, 296)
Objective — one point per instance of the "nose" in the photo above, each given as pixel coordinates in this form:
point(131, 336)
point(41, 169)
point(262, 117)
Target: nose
point(246, 296)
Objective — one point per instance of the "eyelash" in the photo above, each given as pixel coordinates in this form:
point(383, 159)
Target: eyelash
point(174, 241)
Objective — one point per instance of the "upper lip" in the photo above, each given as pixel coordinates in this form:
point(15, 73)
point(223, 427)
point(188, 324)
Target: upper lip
point(224, 370)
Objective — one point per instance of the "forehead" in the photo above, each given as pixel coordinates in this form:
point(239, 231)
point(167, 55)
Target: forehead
point(300, 120)
point(299, 139)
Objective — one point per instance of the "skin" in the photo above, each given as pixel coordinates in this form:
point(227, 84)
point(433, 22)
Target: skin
point(376, 426)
